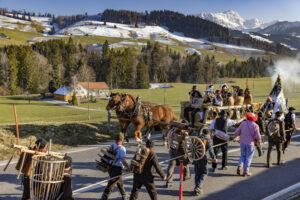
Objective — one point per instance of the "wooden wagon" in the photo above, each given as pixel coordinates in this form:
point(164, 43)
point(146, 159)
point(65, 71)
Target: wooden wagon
point(205, 118)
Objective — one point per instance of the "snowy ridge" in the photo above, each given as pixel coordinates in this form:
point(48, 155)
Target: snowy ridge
point(280, 27)
point(126, 31)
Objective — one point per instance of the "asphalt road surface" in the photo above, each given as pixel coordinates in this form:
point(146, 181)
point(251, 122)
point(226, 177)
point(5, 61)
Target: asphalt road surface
point(223, 184)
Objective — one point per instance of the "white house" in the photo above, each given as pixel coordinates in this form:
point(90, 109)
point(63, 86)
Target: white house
point(96, 89)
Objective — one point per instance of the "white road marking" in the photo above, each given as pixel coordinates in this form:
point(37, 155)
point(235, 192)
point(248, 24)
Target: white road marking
point(70, 151)
point(100, 185)
point(283, 192)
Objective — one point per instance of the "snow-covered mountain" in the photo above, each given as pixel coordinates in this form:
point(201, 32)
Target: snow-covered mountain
point(233, 20)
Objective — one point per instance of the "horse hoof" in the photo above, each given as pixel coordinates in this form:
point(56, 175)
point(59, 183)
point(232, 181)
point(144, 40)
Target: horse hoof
point(138, 140)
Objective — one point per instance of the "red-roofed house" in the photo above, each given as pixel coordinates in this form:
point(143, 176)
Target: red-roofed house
point(97, 89)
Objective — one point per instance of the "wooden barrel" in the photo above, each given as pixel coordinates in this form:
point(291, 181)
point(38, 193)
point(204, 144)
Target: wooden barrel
point(46, 177)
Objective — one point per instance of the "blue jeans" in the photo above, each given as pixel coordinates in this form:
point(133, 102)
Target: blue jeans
point(247, 152)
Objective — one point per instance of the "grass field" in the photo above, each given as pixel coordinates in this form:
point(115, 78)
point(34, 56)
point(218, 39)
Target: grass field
point(42, 112)
point(16, 37)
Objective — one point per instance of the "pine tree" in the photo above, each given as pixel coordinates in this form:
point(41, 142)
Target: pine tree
point(13, 72)
point(142, 76)
point(74, 99)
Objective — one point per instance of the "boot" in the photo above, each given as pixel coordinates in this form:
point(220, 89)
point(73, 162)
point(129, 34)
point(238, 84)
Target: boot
point(104, 196)
point(169, 184)
point(198, 191)
point(238, 171)
point(125, 197)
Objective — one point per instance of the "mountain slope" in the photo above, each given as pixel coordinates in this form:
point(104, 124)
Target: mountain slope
point(233, 20)
point(284, 27)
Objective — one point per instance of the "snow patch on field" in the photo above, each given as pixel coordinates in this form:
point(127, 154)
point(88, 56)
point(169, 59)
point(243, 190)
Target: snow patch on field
point(24, 25)
point(288, 46)
point(259, 38)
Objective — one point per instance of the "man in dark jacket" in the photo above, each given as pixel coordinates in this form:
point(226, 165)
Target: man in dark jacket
point(276, 137)
point(146, 178)
point(220, 124)
point(200, 166)
point(290, 126)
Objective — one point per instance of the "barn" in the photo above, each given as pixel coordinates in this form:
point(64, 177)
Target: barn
point(64, 93)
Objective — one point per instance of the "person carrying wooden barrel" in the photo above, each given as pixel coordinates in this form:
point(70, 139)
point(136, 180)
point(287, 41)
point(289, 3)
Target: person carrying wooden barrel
point(276, 137)
point(145, 175)
point(40, 146)
point(116, 169)
point(176, 138)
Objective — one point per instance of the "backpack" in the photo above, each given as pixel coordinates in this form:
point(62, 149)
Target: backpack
point(139, 159)
point(273, 128)
point(108, 159)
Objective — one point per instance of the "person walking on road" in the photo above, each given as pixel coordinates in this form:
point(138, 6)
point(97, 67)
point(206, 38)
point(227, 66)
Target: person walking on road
point(146, 178)
point(200, 166)
point(276, 137)
point(116, 169)
point(219, 128)
point(290, 126)
point(249, 135)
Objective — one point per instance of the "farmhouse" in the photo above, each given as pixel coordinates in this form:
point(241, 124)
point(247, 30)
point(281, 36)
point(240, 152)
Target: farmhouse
point(96, 89)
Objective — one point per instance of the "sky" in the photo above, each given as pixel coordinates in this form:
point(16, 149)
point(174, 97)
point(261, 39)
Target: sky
point(264, 10)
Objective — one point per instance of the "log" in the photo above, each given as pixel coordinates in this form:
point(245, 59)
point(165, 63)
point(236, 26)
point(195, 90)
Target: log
point(26, 150)
point(6, 166)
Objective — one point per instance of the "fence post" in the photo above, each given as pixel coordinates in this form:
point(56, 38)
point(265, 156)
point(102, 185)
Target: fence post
point(181, 180)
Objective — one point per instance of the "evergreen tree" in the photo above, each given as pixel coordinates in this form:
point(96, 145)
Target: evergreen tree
point(142, 77)
point(13, 72)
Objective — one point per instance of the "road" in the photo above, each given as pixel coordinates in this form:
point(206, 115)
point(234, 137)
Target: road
point(219, 185)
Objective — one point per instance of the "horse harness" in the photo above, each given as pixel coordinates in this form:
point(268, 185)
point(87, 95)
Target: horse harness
point(138, 105)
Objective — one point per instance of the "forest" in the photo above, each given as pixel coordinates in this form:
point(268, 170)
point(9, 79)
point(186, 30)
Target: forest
point(43, 67)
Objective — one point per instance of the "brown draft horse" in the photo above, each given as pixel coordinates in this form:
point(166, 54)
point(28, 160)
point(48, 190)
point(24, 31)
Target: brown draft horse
point(124, 120)
point(160, 113)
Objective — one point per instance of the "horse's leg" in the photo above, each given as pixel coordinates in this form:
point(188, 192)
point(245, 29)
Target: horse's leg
point(138, 132)
point(164, 135)
point(124, 127)
point(148, 131)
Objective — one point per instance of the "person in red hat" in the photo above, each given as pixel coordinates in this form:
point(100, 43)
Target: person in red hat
point(248, 133)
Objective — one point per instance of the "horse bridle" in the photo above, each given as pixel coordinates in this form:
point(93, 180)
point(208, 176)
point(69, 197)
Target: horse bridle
point(124, 105)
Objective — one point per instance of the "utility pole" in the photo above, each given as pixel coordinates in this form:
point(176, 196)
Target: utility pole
point(164, 94)
point(89, 97)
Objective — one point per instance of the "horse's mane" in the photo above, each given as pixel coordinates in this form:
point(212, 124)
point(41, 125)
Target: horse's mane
point(132, 97)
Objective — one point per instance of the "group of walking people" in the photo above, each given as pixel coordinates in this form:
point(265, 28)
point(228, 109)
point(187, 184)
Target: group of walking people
point(249, 133)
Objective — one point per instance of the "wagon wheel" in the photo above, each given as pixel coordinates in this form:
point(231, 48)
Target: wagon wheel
point(194, 148)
